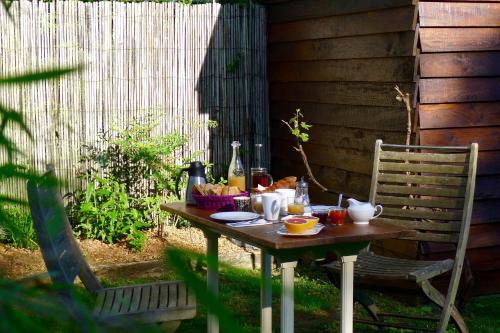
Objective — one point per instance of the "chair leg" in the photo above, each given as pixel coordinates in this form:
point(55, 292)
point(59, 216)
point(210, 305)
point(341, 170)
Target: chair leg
point(362, 298)
point(434, 295)
point(466, 285)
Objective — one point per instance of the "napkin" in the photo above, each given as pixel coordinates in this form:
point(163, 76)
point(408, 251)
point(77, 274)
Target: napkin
point(249, 223)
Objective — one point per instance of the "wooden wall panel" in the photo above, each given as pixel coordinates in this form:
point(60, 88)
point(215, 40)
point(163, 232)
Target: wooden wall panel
point(302, 9)
point(489, 163)
point(451, 90)
point(486, 211)
point(351, 183)
point(380, 118)
point(338, 61)
point(373, 70)
point(487, 137)
point(350, 93)
point(459, 39)
point(342, 137)
point(459, 103)
point(444, 14)
point(459, 115)
point(326, 155)
point(389, 20)
point(459, 64)
point(370, 46)
point(487, 187)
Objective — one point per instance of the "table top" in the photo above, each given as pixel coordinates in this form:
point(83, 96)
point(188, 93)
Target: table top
point(266, 235)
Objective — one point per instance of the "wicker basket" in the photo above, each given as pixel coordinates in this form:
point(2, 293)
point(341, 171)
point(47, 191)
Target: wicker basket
point(217, 202)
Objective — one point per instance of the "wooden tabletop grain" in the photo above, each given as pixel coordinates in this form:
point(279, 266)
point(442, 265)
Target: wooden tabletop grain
point(266, 235)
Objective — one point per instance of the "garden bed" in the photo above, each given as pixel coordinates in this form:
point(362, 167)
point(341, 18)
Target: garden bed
point(18, 263)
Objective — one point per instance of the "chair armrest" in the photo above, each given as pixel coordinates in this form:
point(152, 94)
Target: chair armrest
point(437, 268)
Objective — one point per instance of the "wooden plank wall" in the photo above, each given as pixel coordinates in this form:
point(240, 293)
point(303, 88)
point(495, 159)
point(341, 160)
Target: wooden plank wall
point(459, 103)
point(338, 61)
point(182, 64)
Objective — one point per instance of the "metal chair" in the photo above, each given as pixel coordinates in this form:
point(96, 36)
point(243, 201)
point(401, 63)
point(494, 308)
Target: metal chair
point(430, 190)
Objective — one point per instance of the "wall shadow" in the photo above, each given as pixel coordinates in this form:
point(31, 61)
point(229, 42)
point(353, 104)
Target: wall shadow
point(232, 85)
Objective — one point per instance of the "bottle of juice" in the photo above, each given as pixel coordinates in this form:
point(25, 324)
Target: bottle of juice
point(236, 174)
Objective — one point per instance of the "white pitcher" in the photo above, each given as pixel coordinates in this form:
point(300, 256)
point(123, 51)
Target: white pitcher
point(362, 212)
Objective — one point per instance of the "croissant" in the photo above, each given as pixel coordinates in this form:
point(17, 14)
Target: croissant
point(287, 182)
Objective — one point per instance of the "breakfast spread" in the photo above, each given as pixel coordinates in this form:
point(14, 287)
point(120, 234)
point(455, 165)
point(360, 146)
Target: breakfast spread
point(287, 197)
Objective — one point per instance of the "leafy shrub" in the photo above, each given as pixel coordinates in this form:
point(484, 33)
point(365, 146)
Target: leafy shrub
point(127, 176)
point(107, 213)
point(17, 228)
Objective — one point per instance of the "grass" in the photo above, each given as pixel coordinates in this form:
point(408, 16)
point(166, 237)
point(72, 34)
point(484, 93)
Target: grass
point(316, 302)
point(17, 228)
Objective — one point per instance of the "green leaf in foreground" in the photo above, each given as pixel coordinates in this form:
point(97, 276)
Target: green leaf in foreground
point(32, 77)
point(226, 319)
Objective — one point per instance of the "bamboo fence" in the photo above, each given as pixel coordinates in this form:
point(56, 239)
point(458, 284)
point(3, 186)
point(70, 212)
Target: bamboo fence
point(183, 64)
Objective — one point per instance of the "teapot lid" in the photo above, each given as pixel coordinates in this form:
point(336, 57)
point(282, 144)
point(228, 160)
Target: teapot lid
point(196, 169)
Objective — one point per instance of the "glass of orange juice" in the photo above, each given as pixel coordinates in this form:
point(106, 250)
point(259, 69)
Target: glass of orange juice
point(296, 208)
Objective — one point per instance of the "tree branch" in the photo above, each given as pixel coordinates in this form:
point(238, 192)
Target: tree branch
point(300, 149)
point(405, 98)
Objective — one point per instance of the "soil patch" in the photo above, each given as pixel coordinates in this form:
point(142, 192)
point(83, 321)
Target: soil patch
point(115, 260)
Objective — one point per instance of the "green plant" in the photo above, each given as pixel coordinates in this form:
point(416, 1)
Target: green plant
point(299, 129)
point(17, 228)
point(106, 212)
point(126, 181)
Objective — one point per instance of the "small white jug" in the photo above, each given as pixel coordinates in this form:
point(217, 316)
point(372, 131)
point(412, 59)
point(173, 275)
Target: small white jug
point(362, 212)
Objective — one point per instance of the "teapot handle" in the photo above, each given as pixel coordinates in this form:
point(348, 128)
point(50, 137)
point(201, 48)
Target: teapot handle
point(270, 180)
point(376, 207)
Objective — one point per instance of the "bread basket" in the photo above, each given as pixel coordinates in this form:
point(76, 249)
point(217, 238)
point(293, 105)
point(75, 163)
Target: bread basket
point(217, 202)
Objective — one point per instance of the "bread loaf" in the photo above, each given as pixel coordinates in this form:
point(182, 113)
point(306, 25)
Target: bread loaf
point(215, 189)
point(287, 182)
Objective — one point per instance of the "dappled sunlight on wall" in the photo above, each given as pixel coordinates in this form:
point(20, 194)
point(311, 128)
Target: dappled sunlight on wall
point(184, 65)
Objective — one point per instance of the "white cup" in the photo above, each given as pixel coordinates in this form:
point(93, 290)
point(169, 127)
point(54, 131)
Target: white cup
point(287, 197)
point(271, 206)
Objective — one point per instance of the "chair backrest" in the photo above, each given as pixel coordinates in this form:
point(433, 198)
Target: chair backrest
point(60, 251)
point(426, 188)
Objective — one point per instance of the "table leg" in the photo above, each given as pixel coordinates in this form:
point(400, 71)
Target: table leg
point(212, 277)
point(347, 287)
point(266, 311)
point(287, 301)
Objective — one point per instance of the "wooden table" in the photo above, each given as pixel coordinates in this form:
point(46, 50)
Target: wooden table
point(346, 241)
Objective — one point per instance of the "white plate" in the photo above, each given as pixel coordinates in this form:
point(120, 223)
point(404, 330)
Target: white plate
point(234, 216)
point(314, 231)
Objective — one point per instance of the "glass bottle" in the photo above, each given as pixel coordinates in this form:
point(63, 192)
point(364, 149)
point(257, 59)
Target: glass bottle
point(258, 174)
point(301, 202)
point(236, 174)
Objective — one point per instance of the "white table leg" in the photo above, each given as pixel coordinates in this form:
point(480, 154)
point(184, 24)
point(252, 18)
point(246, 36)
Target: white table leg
point(266, 312)
point(347, 287)
point(287, 301)
point(212, 277)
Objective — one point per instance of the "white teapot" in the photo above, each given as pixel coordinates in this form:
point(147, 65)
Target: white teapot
point(362, 212)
